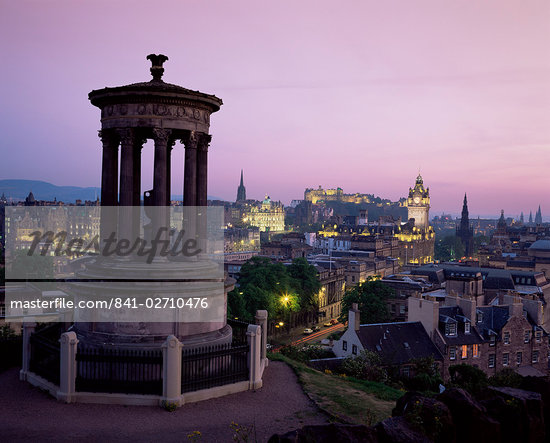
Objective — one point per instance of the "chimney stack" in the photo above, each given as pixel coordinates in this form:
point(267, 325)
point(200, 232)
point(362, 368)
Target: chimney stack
point(354, 317)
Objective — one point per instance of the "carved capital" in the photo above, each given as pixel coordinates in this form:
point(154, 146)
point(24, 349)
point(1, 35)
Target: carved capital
point(109, 138)
point(126, 136)
point(204, 142)
point(190, 140)
point(161, 135)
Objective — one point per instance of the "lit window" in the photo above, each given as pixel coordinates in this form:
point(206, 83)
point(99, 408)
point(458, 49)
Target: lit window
point(344, 345)
point(475, 351)
point(535, 357)
point(452, 353)
point(464, 351)
point(526, 337)
point(505, 359)
point(506, 338)
point(491, 360)
point(519, 358)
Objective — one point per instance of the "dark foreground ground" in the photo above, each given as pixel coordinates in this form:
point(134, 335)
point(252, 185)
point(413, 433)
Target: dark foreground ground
point(28, 414)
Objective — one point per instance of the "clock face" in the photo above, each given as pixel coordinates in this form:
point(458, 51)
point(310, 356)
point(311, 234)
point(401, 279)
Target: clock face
point(417, 200)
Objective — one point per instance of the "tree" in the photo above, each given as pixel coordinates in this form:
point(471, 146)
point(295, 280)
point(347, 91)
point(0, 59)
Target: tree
point(262, 285)
point(371, 298)
point(449, 248)
point(304, 281)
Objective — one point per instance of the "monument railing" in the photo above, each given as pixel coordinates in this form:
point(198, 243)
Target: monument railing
point(208, 367)
point(170, 374)
point(127, 371)
point(45, 353)
point(239, 331)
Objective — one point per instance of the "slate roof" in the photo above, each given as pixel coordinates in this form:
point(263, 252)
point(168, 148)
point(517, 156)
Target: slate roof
point(398, 343)
point(492, 278)
point(454, 314)
point(493, 319)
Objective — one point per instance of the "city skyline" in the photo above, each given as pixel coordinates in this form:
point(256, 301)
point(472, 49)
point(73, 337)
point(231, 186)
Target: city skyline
point(358, 97)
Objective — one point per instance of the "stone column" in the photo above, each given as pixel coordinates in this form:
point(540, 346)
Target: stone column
point(29, 325)
point(161, 138)
point(254, 364)
point(160, 199)
point(126, 197)
point(261, 320)
point(202, 199)
point(169, 148)
point(67, 367)
point(190, 169)
point(136, 199)
point(190, 184)
point(171, 378)
point(109, 183)
point(138, 146)
point(127, 151)
point(109, 168)
point(202, 168)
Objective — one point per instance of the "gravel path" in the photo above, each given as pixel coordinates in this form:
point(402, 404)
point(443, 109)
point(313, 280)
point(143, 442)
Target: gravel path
point(28, 414)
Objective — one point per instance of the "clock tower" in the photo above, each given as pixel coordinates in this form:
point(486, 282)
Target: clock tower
point(418, 204)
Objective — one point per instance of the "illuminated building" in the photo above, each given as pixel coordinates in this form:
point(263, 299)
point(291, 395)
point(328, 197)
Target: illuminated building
point(320, 194)
point(269, 216)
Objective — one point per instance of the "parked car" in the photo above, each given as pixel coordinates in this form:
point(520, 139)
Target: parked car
point(328, 323)
point(316, 328)
point(308, 331)
point(334, 322)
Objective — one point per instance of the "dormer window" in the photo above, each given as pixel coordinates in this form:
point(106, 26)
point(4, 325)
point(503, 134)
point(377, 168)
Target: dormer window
point(479, 317)
point(538, 336)
point(450, 329)
point(492, 340)
point(467, 327)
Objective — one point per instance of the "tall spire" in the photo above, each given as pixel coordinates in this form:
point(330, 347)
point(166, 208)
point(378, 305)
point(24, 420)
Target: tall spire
point(538, 217)
point(464, 231)
point(530, 216)
point(241, 190)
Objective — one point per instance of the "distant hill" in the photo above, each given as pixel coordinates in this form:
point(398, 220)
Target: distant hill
point(19, 189)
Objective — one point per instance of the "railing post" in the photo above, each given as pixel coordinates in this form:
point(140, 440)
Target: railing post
point(29, 325)
point(254, 341)
point(67, 366)
point(261, 320)
point(171, 371)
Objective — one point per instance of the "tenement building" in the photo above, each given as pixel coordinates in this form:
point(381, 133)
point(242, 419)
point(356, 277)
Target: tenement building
point(489, 337)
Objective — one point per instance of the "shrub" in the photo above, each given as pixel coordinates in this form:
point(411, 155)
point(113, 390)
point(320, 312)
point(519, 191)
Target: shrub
point(468, 377)
point(367, 366)
point(506, 377)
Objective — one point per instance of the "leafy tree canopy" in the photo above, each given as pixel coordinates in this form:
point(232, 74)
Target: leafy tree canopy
point(371, 298)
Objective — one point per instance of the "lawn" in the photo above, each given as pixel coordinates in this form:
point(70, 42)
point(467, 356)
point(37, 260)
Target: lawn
point(348, 400)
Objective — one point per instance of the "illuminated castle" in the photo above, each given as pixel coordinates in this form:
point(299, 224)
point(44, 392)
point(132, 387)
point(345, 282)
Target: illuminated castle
point(315, 195)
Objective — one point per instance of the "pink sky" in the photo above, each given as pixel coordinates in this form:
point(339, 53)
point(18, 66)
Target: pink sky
point(352, 94)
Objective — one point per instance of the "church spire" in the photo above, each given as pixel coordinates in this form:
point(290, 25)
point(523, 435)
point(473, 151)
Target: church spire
point(538, 217)
point(241, 190)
